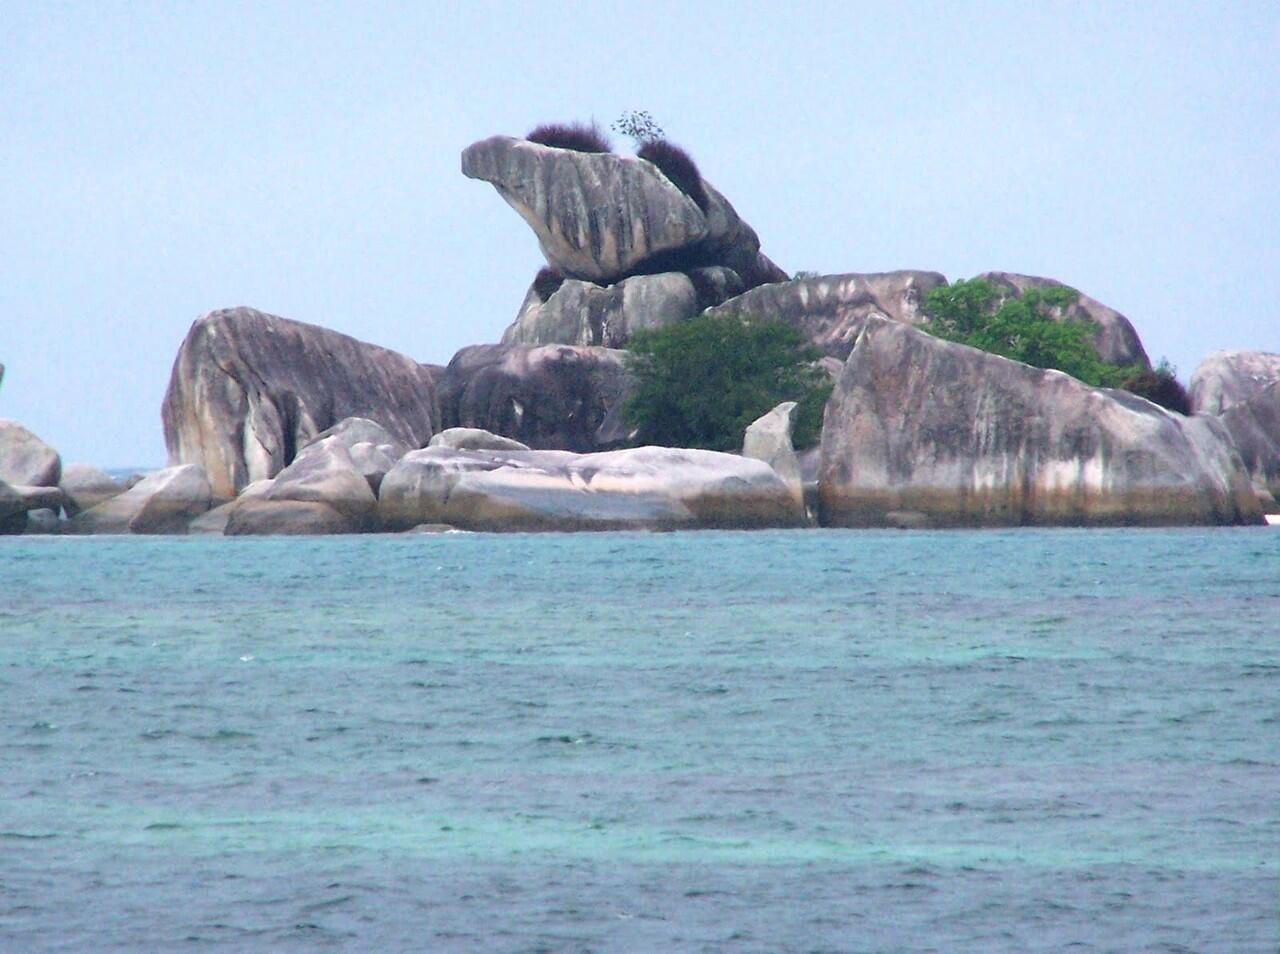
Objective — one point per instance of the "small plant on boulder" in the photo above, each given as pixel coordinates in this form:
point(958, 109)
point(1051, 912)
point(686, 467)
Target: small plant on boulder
point(547, 282)
point(638, 125)
point(678, 166)
point(699, 383)
point(1160, 385)
point(580, 137)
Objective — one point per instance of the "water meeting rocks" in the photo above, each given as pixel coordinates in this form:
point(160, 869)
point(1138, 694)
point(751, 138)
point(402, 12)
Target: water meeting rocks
point(249, 389)
point(550, 397)
point(601, 217)
point(920, 431)
point(656, 488)
point(1226, 378)
point(830, 309)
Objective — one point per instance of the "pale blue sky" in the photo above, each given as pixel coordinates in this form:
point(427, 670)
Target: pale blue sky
point(163, 159)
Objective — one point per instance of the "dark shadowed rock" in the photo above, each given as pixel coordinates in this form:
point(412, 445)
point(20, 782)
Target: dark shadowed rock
point(1116, 340)
point(1254, 426)
point(162, 502)
point(641, 488)
point(25, 459)
point(86, 486)
point(18, 502)
point(249, 389)
point(584, 313)
point(602, 217)
point(549, 397)
point(214, 522)
point(1226, 378)
point(919, 430)
point(830, 309)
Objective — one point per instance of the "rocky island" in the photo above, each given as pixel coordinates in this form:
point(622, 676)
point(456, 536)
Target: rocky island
point(273, 426)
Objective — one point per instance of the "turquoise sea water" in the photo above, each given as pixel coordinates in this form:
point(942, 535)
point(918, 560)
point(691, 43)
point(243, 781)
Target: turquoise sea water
point(779, 741)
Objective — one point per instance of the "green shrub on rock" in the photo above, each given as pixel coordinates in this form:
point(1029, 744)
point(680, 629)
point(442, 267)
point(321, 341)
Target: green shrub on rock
point(699, 383)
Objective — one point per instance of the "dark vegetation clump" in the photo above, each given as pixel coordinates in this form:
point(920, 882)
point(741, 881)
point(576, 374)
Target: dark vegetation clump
point(1160, 386)
point(700, 383)
point(580, 137)
point(547, 282)
point(971, 313)
point(678, 166)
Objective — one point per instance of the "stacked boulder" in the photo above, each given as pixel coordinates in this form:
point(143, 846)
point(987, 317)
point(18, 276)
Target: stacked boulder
point(1242, 389)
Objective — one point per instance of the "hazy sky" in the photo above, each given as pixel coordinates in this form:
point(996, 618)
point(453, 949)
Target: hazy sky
point(161, 160)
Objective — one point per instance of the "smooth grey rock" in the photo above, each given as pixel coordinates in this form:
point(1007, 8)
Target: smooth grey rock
point(262, 517)
point(372, 461)
point(584, 313)
point(549, 397)
point(324, 473)
point(917, 424)
point(162, 502)
point(351, 431)
point(1254, 426)
point(768, 438)
point(1116, 340)
point(25, 459)
point(830, 309)
point(86, 486)
point(657, 488)
point(214, 522)
point(603, 217)
point(249, 389)
point(473, 438)
point(1227, 378)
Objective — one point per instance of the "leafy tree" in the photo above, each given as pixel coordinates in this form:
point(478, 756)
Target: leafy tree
point(639, 125)
point(699, 383)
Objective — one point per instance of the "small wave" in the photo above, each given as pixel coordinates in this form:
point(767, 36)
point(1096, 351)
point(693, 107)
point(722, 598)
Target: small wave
point(28, 835)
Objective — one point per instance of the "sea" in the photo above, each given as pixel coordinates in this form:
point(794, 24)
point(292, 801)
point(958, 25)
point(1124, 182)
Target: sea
point(1023, 740)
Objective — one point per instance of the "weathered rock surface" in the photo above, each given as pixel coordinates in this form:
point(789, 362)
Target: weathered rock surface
point(214, 522)
point(1227, 378)
point(584, 313)
point(919, 430)
point(602, 217)
point(288, 518)
point(641, 488)
point(473, 438)
point(249, 389)
point(43, 521)
point(1116, 340)
point(325, 473)
point(831, 309)
point(25, 459)
point(18, 501)
point(769, 438)
point(162, 502)
point(550, 397)
point(373, 449)
point(1254, 426)
point(85, 487)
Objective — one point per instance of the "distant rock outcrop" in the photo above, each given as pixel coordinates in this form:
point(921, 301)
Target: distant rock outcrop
point(1254, 426)
point(85, 487)
point(25, 459)
point(830, 309)
point(643, 488)
point(1227, 378)
point(1116, 340)
point(249, 389)
point(552, 397)
point(920, 431)
point(162, 502)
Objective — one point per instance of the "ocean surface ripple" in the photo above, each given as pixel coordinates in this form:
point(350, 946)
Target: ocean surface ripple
point(779, 741)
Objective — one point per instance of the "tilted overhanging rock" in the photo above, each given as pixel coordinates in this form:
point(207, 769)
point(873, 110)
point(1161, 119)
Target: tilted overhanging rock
point(923, 431)
point(248, 390)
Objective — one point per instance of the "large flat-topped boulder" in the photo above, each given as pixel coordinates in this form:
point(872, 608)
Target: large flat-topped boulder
point(1116, 340)
point(920, 431)
point(651, 488)
point(26, 459)
point(830, 309)
point(249, 389)
point(1226, 378)
point(551, 397)
point(601, 217)
point(584, 313)
point(1254, 426)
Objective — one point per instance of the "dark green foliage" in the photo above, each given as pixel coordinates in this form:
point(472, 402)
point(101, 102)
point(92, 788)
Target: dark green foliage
point(678, 166)
point(637, 124)
point(1021, 328)
point(1160, 386)
point(701, 382)
point(547, 282)
point(580, 137)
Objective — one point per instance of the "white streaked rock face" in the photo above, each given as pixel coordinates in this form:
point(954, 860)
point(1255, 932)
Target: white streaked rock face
point(1227, 378)
point(957, 437)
